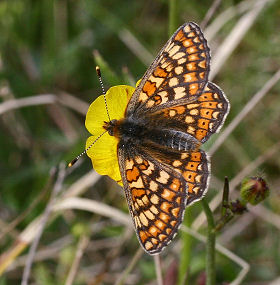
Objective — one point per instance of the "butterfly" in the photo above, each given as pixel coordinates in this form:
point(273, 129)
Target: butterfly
point(171, 113)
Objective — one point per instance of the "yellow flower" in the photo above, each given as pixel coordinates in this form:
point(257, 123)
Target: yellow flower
point(103, 153)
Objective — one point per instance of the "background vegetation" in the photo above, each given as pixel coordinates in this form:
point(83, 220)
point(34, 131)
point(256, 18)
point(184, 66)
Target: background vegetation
point(49, 48)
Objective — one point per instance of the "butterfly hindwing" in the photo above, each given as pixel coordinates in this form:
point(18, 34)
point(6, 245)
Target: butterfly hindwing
point(179, 72)
point(156, 196)
point(199, 118)
point(195, 168)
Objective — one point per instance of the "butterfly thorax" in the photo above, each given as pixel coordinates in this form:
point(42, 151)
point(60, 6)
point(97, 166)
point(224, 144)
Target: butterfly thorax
point(143, 133)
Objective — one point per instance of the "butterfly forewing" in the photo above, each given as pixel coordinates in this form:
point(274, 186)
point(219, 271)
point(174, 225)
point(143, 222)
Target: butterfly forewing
point(156, 196)
point(180, 71)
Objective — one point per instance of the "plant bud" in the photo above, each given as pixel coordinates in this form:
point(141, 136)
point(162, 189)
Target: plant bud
point(254, 190)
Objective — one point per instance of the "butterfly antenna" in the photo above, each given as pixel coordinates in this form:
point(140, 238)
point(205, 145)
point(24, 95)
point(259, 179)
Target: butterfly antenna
point(98, 71)
point(70, 164)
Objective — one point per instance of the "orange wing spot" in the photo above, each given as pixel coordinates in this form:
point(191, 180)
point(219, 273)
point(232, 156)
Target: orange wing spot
point(179, 36)
point(144, 165)
point(192, 49)
point(190, 77)
point(154, 241)
point(165, 206)
point(132, 174)
point(192, 166)
point(206, 105)
point(191, 66)
point(160, 72)
point(200, 134)
point(202, 64)
point(178, 200)
point(193, 57)
point(173, 223)
point(196, 156)
point(189, 176)
point(203, 124)
point(157, 99)
point(193, 88)
point(143, 236)
point(164, 217)
point(206, 97)
point(175, 184)
point(187, 43)
point(162, 237)
point(168, 195)
point(202, 75)
point(179, 109)
point(154, 231)
point(201, 46)
point(168, 230)
point(137, 192)
point(159, 224)
point(175, 212)
point(190, 187)
point(206, 113)
point(149, 88)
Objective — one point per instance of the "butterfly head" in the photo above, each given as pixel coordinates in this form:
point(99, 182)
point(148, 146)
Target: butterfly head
point(111, 127)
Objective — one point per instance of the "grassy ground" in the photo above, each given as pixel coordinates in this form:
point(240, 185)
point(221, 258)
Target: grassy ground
point(50, 48)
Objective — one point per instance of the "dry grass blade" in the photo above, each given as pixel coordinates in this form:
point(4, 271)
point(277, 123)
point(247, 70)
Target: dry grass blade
point(234, 38)
point(241, 262)
point(225, 16)
point(42, 223)
point(30, 232)
point(136, 47)
point(82, 184)
point(95, 207)
point(266, 215)
point(20, 218)
point(211, 11)
point(130, 266)
point(65, 99)
point(83, 242)
point(28, 101)
point(158, 269)
point(275, 282)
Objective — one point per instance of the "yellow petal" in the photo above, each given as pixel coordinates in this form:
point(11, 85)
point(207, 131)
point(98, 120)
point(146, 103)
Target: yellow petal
point(117, 98)
point(103, 153)
point(138, 82)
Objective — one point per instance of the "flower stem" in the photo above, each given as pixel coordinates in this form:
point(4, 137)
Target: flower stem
point(173, 16)
point(210, 245)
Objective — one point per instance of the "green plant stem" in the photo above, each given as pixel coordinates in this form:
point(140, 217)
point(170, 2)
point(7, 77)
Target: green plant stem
point(185, 255)
point(210, 245)
point(173, 16)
